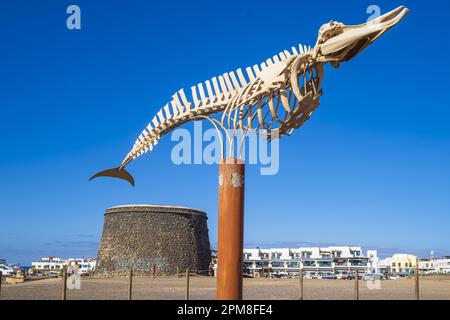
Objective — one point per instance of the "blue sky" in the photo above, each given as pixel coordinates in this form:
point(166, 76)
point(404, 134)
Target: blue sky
point(371, 167)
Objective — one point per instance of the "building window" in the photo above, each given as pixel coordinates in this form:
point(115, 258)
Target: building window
point(393, 264)
point(356, 253)
point(276, 255)
point(262, 264)
point(324, 263)
point(293, 265)
point(277, 264)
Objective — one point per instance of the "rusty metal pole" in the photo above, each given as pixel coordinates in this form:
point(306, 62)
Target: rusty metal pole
point(231, 230)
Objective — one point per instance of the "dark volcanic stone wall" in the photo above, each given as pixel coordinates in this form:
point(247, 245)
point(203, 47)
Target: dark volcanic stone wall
point(140, 236)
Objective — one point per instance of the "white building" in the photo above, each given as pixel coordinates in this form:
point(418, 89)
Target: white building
point(55, 264)
point(313, 260)
point(384, 265)
point(49, 264)
point(435, 265)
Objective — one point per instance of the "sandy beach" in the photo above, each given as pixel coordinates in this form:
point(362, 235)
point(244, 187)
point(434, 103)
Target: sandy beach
point(203, 288)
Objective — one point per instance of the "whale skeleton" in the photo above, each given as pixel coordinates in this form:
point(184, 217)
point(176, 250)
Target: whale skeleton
point(278, 95)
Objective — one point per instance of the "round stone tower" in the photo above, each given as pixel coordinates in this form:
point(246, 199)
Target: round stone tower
point(143, 236)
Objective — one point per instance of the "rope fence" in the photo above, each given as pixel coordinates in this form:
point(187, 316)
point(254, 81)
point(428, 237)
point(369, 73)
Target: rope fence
point(131, 274)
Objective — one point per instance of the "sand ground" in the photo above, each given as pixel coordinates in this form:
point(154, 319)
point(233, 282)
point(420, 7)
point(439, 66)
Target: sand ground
point(172, 288)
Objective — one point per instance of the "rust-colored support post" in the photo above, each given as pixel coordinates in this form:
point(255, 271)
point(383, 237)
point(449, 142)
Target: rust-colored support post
point(64, 286)
point(231, 230)
point(301, 283)
point(130, 284)
point(416, 277)
point(356, 285)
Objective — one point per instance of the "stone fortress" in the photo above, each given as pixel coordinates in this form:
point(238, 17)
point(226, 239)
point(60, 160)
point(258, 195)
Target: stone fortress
point(140, 237)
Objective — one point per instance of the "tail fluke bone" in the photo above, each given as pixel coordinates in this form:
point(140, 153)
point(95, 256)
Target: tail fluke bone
point(115, 173)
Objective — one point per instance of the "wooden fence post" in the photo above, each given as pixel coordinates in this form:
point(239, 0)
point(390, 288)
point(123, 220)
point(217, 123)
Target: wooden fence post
point(301, 284)
point(130, 284)
point(187, 285)
point(1, 278)
point(416, 276)
point(356, 285)
point(64, 287)
point(178, 272)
